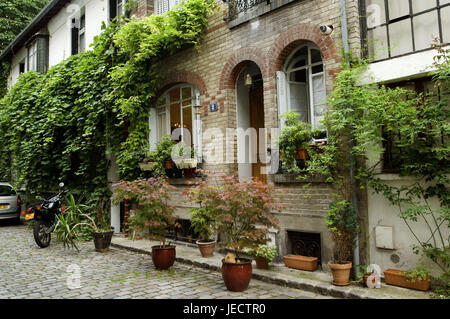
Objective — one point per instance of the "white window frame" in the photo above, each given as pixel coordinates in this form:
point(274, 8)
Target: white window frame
point(196, 125)
point(162, 6)
point(82, 32)
point(283, 83)
point(32, 56)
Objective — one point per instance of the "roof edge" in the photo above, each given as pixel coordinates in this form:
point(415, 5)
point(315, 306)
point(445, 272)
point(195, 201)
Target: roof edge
point(41, 15)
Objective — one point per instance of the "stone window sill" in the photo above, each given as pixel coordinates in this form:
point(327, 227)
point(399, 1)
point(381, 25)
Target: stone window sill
point(293, 179)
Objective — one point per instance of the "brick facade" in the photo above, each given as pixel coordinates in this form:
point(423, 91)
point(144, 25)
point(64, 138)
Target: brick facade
point(266, 40)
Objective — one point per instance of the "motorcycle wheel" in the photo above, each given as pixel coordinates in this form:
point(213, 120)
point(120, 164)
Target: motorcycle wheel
point(40, 236)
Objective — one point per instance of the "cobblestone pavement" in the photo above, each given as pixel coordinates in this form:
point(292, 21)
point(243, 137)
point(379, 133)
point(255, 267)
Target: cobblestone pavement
point(27, 271)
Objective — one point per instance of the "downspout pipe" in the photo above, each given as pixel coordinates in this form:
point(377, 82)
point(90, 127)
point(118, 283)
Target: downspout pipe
point(346, 47)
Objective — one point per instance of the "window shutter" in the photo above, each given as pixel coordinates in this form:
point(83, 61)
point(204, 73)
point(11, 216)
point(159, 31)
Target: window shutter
point(282, 96)
point(153, 129)
point(319, 100)
point(42, 54)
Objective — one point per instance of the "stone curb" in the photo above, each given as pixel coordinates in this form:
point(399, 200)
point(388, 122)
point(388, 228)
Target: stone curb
point(307, 285)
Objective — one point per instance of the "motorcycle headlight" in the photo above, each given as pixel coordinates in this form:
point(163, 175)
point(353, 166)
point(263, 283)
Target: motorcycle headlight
point(51, 205)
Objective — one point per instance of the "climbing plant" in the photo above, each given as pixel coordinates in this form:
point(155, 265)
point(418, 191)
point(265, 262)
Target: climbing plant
point(361, 118)
point(66, 124)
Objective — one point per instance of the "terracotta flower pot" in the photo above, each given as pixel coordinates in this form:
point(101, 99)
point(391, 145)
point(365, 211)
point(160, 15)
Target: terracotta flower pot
point(341, 273)
point(206, 247)
point(373, 280)
point(301, 262)
point(237, 275)
point(163, 257)
point(261, 262)
point(102, 241)
point(169, 164)
point(302, 154)
point(397, 277)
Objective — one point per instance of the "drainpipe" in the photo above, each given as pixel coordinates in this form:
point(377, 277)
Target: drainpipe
point(344, 27)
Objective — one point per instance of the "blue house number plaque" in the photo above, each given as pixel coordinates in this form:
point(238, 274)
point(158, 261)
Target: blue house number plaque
point(213, 107)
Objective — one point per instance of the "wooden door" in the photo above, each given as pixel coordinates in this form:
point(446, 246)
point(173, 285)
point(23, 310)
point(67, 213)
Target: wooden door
point(257, 122)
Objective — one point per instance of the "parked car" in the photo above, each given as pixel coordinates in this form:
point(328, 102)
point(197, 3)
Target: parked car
point(10, 204)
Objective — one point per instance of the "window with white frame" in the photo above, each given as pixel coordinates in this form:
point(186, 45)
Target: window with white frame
point(32, 57)
point(398, 27)
point(116, 8)
point(162, 6)
point(175, 110)
point(79, 32)
point(301, 85)
point(37, 54)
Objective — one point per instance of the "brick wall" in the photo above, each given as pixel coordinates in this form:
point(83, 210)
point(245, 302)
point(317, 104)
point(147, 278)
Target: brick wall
point(266, 40)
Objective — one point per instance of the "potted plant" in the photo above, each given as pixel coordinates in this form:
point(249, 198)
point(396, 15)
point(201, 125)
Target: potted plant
point(185, 159)
point(342, 223)
point(152, 215)
point(418, 278)
point(161, 158)
point(203, 218)
point(264, 255)
point(368, 276)
point(72, 219)
point(294, 140)
point(148, 160)
point(243, 212)
point(202, 221)
point(301, 262)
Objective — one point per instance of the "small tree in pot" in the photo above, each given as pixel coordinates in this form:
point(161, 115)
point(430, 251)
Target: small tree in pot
point(243, 211)
point(152, 215)
point(203, 218)
point(343, 225)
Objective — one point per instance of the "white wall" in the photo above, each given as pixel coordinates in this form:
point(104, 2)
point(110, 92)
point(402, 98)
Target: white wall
point(401, 68)
point(15, 62)
point(382, 213)
point(60, 33)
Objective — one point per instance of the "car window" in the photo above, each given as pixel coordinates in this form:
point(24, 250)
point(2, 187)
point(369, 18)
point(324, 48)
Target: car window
point(6, 190)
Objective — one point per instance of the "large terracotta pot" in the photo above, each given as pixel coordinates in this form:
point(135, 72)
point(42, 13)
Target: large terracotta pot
point(206, 247)
point(237, 275)
point(163, 257)
point(341, 273)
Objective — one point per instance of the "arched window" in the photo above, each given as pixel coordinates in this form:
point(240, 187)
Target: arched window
point(175, 110)
point(301, 85)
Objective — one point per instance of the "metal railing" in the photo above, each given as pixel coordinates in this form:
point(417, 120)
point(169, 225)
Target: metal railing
point(235, 7)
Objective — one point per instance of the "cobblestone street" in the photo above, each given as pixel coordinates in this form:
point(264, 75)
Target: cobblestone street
point(27, 271)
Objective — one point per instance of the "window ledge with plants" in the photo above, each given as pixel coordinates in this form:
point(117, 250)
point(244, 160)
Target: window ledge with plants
point(289, 178)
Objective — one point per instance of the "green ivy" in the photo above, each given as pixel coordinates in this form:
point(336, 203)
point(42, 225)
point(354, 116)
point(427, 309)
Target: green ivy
point(65, 124)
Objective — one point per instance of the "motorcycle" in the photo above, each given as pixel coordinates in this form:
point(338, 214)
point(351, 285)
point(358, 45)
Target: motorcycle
point(45, 217)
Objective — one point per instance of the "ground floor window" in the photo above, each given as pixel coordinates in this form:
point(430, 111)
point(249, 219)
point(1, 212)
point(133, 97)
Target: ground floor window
point(174, 115)
point(392, 156)
point(301, 85)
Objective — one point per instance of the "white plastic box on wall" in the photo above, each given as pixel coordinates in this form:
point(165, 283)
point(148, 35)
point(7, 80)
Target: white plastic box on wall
point(384, 237)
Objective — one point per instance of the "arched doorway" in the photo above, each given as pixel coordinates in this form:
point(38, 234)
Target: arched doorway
point(251, 138)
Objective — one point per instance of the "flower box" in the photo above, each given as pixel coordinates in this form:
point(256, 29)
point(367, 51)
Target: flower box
point(301, 262)
point(146, 166)
point(186, 163)
point(397, 277)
